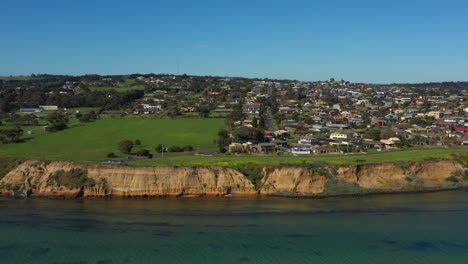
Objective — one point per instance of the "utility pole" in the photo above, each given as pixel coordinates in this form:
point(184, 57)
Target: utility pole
point(162, 151)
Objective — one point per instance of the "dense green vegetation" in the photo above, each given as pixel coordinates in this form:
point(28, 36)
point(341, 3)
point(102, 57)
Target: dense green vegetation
point(18, 78)
point(74, 178)
point(93, 141)
point(118, 89)
point(235, 161)
point(7, 164)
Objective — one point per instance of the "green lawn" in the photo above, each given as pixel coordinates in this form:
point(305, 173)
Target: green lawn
point(93, 141)
point(118, 89)
point(233, 161)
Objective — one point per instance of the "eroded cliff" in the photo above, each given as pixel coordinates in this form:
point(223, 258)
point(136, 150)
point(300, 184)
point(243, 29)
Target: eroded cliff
point(45, 178)
point(328, 180)
point(35, 176)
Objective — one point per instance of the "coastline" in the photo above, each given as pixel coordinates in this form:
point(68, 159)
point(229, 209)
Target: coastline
point(60, 179)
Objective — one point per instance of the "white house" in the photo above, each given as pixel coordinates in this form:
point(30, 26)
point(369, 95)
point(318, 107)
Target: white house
point(341, 135)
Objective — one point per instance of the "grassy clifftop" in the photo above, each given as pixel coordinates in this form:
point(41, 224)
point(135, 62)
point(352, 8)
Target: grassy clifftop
point(235, 161)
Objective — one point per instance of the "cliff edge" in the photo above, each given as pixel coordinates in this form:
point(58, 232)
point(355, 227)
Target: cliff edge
point(67, 179)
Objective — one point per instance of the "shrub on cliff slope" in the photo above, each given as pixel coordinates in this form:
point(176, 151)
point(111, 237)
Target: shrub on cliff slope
point(8, 164)
point(74, 178)
point(252, 171)
point(451, 179)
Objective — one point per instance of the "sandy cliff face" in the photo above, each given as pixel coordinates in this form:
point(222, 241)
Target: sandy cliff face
point(384, 176)
point(35, 176)
point(292, 180)
point(130, 181)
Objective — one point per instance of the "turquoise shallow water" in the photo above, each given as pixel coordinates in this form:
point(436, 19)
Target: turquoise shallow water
point(406, 228)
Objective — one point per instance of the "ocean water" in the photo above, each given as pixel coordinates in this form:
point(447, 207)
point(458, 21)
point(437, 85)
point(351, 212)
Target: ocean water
point(404, 228)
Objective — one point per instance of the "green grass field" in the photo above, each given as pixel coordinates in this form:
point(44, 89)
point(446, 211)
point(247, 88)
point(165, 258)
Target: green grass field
point(93, 141)
point(233, 161)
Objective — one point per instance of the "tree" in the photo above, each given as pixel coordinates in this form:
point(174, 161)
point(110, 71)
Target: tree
point(160, 148)
point(175, 149)
point(386, 134)
point(57, 121)
point(374, 134)
point(10, 135)
point(204, 112)
point(143, 152)
point(137, 142)
point(187, 148)
point(237, 113)
point(244, 134)
point(125, 146)
point(223, 138)
point(255, 122)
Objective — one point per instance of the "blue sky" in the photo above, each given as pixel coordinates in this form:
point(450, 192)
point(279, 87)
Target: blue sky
point(361, 41)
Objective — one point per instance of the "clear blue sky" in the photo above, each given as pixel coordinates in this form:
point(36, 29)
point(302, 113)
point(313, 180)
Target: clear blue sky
point(357, 40)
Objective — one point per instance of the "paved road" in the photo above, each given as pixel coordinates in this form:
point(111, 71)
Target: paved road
point(212, 153)
point(270, 121)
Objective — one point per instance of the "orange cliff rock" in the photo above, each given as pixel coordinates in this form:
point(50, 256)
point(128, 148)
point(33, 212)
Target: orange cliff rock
point(378, 177)
point(129, 181)
point(117, 180)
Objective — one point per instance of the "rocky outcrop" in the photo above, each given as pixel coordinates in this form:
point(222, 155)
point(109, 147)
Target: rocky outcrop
point(37, 177)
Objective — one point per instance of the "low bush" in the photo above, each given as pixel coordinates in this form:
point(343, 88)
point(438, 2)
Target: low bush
point(74, 178)
point(142, 152)
point(175, 149)
point(252, 171)
point(451, 179)
point(187, 148)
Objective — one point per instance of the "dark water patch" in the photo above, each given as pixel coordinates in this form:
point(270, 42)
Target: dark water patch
point(69, 262)
point(452, 244)
point(244, 246)
point(231, 226)
point(77, 225)
point(38, 252)
point(372, 247)
point(244, 259)
point(213, 247)
point(10, 222)
point(383, 212)
point(8, 247)
point(296, 235)
point(105, 261)
point(274, 247)
point(201, 233)
point(127, 259)
point(318, 253)
point(165, 245)
point(163, 233)
point(149, 224)
point(422, 246)
point(81, 227)
point(389, 242)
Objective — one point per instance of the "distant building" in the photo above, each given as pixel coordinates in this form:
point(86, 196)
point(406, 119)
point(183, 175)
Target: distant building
point(324, 149)
point(31, 110)
point(266, 147)
point(341, 135)
point(49, 107)
point(300, 150)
